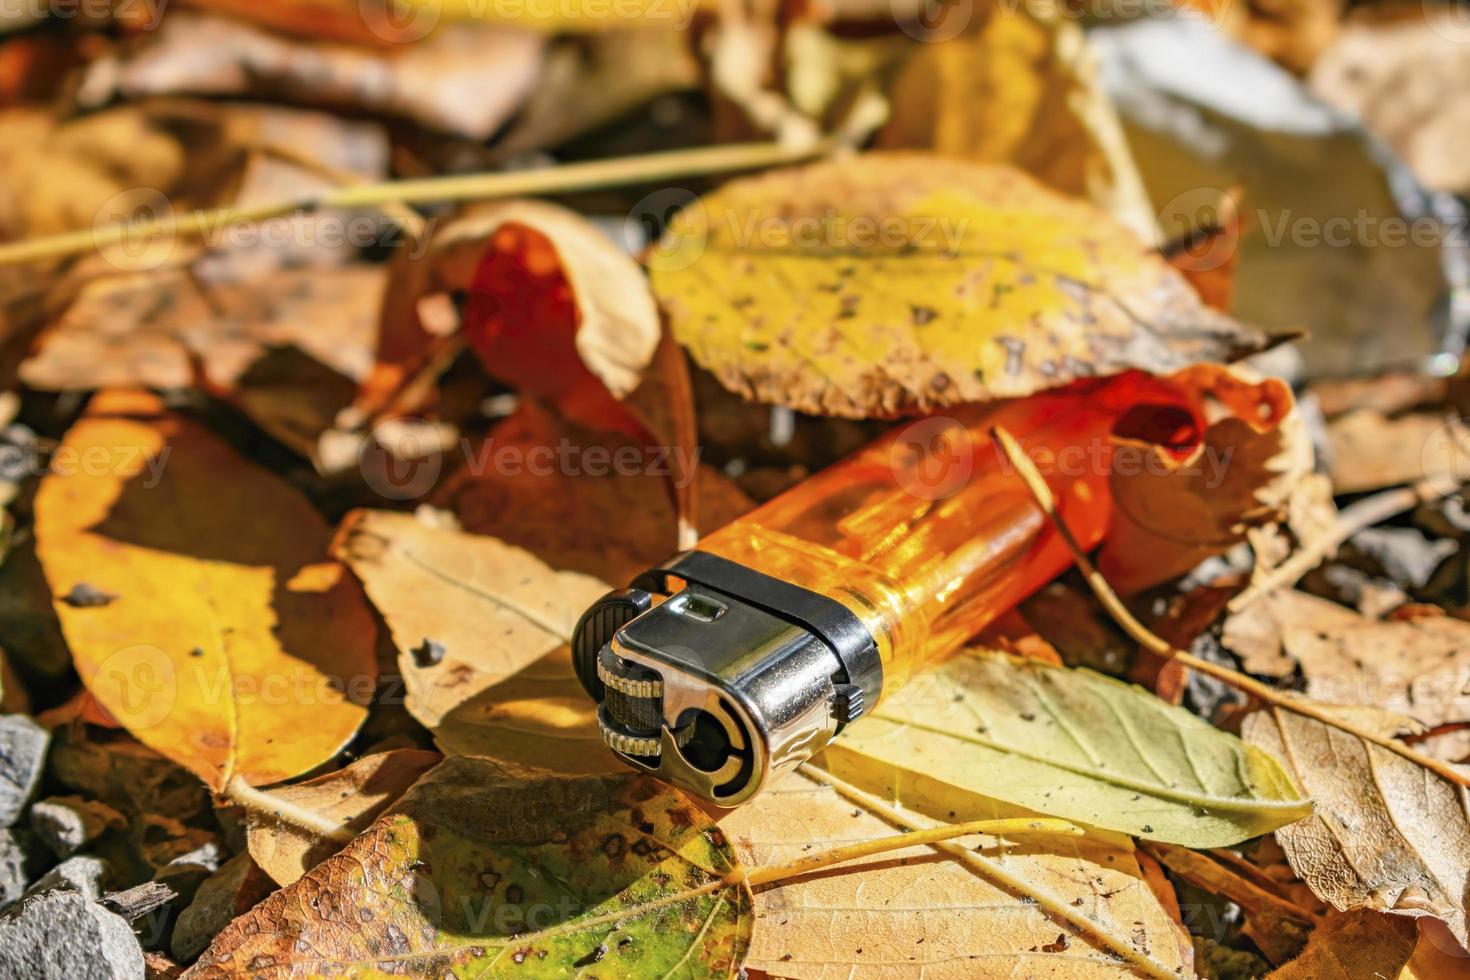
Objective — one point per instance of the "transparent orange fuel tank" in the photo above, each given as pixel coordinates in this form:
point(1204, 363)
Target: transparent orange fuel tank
point(741, 658)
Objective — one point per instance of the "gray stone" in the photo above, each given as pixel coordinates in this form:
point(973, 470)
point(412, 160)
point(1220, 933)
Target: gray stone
point(1323, 255)
point(230, 891)
point(22, 857)
point(69, 823)
point(22, 758)
point(62, 935)
point(82, 873)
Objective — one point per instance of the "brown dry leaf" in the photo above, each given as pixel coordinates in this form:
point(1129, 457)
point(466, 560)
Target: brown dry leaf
point(1387, 834)
point(486, 871)
point(150, 329)
point(1274, 924)
point(482, 630)
point(581, 500)
point(1369, 451)
point(1412, 667)
point(1172, 511)
point(889, 282)
point(201, 55)
point(1020, 86)
point(1351, 946)
point(197, 597)
point(1394, 77)
point(977, 909)
point(351, 798)
point(59, 175)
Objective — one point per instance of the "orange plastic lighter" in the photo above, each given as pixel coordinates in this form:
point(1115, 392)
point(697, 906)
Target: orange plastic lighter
point(740, 659)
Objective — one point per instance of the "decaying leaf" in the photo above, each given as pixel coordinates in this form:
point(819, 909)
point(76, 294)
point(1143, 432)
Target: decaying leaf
point(149, 329)
point(1173, 510)
point(1369, 451)
point(192, 54)
point(972, 909)
point(502, 683)
point(1386, 834)
point(891, 282)
point(490, 872)
point(227, 641)
point(984, 730)
point(351, 798)
point(1350, 945)
point(1021, 87)
point(1274, 924)
point(1411, 666)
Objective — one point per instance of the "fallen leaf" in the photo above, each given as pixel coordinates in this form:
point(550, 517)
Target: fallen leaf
point(508, 873)
point(1019, 86)
point(546, 300)
point(150, 329)
point(1352, 945)
point(351, 797)
point(232, 651)
point(1369, 451)
point(1274, 924)
point(504, 685)
point(201, 55)
point(983, 730)
point(1387, 834)
point(889, 283)
point(1172, 509)
point(1412, 666)
point(972, 909)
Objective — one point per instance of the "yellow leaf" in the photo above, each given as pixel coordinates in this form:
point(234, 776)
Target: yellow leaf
point(888, 283)
point(172, 561)
point(482, 630)
point(485, 872)
point(984, 734)
point(1021, 87)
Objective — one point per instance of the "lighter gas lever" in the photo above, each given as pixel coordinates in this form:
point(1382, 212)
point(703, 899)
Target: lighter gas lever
point(739, 660)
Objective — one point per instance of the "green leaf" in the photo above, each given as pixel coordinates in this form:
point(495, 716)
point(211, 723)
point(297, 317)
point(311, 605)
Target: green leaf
point(985, 731)
point(486, 870)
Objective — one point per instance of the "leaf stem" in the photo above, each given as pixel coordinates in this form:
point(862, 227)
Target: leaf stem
point(1156, 644)
point(1363, 514)
point(644, 168)
point(263, 804)
point(1054, 906)
point(909, 838)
